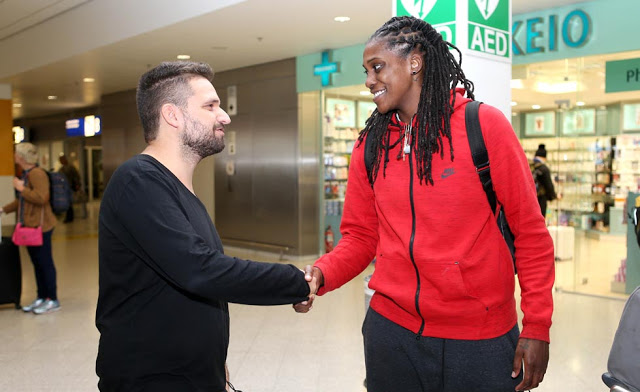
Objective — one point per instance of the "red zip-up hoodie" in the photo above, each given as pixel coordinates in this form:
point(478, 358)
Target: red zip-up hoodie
point(442, 267)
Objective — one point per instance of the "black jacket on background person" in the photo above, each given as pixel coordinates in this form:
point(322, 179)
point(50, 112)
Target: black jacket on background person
point(544, 185)
point(165, 282)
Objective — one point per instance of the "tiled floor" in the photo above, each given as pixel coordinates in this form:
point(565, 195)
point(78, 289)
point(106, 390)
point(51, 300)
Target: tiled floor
point(272, 349)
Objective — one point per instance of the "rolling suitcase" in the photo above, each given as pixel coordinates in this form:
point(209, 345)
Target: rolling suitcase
point(10, 271)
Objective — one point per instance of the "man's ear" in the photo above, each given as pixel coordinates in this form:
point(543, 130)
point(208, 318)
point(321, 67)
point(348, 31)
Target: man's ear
point(171, 114)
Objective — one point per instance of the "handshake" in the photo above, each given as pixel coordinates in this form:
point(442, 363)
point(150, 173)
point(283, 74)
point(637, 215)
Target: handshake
point(314, 277)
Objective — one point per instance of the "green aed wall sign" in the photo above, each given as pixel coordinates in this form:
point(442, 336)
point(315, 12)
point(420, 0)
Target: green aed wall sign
point(489, 27)
point(441, 14)
point(622, 75)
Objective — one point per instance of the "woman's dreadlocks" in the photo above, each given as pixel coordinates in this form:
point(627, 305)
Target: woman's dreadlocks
point(442, 73)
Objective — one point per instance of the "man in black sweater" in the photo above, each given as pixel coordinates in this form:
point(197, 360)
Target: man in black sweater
point(164, 279)
point(542, 178)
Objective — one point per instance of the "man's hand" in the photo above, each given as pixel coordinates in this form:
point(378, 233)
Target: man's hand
point(18, 184)
point(535, 355)
point(314, 277)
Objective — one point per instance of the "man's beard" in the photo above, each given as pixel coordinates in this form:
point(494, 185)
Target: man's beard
point(199, 140)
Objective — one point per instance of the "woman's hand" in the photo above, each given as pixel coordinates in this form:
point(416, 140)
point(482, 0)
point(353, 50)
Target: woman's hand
point(18, 184)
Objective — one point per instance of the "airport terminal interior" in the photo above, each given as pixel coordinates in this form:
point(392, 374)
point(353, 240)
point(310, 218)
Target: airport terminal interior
point(297, 102)
point(272, 348)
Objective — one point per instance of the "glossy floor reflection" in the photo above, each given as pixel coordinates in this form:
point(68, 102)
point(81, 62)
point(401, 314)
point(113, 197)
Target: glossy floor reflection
point(272, 349)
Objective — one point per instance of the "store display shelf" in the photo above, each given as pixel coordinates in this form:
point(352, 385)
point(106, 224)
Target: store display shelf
point(346, 139)
point(561, 161)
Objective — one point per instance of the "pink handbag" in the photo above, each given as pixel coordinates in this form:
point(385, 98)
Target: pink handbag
point(27, 236)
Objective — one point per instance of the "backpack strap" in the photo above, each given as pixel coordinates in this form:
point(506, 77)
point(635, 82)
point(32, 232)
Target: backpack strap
point(479, 150)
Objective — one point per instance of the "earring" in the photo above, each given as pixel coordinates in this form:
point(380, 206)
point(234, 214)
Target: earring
point(413, 73)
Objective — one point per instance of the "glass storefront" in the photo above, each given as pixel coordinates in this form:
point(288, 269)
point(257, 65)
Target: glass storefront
point(593, 154)
point(345, 110)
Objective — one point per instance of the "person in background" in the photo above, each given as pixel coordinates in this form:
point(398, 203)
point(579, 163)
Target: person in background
point(73, 176)
point(443, 316)
point(542, 178)
point(165, 281)
point(33, 208)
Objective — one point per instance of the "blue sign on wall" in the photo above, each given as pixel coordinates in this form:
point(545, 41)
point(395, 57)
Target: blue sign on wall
point(577, 30)
point(87, 126)
point(537, 35)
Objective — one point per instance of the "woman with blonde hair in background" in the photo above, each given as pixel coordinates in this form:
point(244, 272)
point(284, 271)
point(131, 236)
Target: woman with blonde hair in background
point(33, 208)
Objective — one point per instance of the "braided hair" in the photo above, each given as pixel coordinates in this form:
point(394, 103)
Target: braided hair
point(441, 74)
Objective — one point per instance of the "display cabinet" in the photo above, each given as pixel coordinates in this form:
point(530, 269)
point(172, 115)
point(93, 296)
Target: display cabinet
point(582, 173)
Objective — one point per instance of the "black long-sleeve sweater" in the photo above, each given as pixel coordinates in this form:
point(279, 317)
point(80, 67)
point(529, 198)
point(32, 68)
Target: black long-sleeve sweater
point(165, 282)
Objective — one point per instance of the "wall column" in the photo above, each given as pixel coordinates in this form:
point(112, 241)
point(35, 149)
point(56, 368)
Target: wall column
point(6, 151)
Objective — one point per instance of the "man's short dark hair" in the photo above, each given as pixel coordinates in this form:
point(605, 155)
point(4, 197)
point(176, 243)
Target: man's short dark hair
point(166, 83)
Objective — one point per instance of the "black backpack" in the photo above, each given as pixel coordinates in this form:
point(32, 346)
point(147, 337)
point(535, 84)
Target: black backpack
point(481, 162)
point(60, 194)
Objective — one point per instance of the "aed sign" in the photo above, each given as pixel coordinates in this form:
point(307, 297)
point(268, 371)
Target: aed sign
point(622, 75)
point(489, 27)
point(441, 14)
point(539, 35)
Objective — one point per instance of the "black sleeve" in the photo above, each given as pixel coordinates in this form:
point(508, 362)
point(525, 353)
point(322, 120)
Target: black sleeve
point(150, 211)
point(550, 190)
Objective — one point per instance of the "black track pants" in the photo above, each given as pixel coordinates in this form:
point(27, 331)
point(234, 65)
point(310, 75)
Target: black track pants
point(398, 362)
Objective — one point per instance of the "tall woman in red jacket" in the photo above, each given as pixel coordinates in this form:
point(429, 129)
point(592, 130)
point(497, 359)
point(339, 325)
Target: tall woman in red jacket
point(443, 316)
point(32, 205)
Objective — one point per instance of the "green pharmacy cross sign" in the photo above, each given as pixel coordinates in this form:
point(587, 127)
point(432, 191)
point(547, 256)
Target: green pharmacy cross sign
point(325, 69)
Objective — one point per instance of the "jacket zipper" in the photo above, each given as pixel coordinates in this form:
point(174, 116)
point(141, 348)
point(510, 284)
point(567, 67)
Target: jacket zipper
point(413, 235)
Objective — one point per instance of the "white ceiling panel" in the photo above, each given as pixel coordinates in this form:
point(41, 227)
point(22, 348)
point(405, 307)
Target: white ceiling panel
point(19, 15)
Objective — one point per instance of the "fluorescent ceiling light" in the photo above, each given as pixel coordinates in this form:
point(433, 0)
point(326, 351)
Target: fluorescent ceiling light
point(52, 97)
point(536, 107)
point(88, 80)
point(17, 105)
point(579, 103)
point(183, 57)
point(556, 88)
point(514, 103)
point(342, 18)
point(364, 92)
point(517, 83)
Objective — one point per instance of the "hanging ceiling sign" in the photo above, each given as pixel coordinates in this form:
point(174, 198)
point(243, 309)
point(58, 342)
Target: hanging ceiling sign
point(87, 126)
